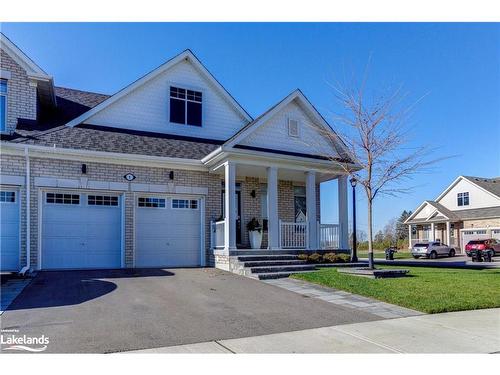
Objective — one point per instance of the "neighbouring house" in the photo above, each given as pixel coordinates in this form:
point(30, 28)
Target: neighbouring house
point(466, 210)
point(166, 172)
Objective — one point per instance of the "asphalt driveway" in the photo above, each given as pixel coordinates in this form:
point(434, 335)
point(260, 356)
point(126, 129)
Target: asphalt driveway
point(117, 310)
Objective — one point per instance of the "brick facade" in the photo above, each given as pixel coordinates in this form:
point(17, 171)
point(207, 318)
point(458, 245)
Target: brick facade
point(69, 169)
point(21, 93)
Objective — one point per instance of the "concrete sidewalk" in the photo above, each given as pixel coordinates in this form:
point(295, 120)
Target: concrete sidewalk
point(475, 331)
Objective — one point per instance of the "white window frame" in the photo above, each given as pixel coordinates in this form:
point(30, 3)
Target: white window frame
point(191, 88)
point(9, 191)
point(103, 205)
point(290, 134)
point(6, 95)
point(462, 196)
point(189, 200)
point(146, 197)
point(63, 204)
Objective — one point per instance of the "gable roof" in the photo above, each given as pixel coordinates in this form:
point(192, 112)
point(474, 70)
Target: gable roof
point(310, 110)
point(491, 185)
point(185, 55)
point(34, 72)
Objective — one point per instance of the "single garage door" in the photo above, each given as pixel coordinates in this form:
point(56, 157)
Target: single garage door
point(81, 230)
point(9, 230)
point(168, 232)
point(473, 234)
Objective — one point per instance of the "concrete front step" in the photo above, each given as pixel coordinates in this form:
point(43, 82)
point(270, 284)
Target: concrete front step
point(255, 258)
point(262, 263)
point(278, 269)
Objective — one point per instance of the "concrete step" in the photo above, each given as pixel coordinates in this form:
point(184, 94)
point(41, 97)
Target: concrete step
point(275, 275)
point(269, 269)
point(256, 258)
point(262, 263)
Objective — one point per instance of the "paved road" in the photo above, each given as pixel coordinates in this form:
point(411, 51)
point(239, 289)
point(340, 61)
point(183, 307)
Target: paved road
point(118, 310)
point(434, 333)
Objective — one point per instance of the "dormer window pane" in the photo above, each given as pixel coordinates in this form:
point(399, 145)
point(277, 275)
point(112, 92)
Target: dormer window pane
point(185, 106)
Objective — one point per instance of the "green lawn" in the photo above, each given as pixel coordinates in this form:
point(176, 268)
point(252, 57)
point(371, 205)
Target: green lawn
point(431, 290)
point(381, 254)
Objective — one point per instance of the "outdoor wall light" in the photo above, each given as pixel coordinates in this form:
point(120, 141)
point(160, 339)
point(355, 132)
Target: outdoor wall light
point(353, 181)
point(84, 168)
point(252, 194)
point(171, 175)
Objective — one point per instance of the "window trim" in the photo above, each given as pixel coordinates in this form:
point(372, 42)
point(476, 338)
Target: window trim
point(6, 95)
point(461, 199)
point(191, 88)
point(152, 197)
point(190, 200)
point(10, 191)
point(298, 127)
point(63, 204)
point(103, 195)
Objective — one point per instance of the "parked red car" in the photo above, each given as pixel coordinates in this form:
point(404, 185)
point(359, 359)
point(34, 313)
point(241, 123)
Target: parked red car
point(490, 244)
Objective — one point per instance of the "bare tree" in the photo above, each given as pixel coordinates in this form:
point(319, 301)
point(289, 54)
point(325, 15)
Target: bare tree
point(373, 131)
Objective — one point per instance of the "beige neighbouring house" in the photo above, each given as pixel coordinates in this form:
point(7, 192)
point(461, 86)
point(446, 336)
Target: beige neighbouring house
point(468, 209)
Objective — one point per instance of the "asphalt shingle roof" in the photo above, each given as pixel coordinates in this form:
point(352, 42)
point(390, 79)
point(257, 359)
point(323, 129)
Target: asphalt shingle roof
point(490, 184)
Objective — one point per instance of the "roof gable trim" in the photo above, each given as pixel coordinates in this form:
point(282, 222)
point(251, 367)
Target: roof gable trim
point(186, 55)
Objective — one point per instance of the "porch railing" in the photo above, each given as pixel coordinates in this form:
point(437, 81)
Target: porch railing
point(217, 234)
point(293, 235)
point(329, 236)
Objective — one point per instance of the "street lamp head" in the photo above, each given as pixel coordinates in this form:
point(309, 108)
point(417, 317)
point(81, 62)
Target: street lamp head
point(353, 181)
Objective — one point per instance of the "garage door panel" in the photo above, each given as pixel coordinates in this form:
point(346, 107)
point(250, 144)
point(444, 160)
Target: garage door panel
point(9, 230)
point(81, 236)
point(167, 237)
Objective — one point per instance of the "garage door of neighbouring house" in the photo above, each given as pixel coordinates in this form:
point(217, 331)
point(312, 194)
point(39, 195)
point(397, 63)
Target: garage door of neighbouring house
point(9, 230)
point(168, 231)
point(81, 230)
point(478, 234)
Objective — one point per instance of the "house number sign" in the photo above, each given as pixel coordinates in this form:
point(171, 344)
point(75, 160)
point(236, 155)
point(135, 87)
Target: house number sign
point(129, 177)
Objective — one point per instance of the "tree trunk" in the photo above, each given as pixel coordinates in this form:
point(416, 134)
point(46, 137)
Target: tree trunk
point(370, 236)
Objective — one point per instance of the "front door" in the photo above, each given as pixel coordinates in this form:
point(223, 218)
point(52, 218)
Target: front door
point(238, 211)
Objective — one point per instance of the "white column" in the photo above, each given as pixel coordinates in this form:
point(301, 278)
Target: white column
point(409, 236)
point(343, 213)
point(272, 208)
point(448, 233)
point(433, 234)
point(230, 206)
point(311, 210)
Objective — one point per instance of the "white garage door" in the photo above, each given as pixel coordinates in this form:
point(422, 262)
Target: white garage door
point(9, 230)
point(168, 232)
point(473, 234)
point(81, 230)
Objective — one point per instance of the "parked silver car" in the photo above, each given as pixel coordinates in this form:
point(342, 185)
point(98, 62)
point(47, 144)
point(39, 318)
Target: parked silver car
point(432, 250)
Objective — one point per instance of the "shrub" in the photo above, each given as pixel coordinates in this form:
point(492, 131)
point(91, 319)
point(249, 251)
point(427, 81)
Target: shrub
point(315, 258)
point(303, 256)
point(330, 258)
point(254, 225)
point(344, 258)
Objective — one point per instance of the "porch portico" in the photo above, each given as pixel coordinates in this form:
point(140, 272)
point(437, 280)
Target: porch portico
point(270, 196)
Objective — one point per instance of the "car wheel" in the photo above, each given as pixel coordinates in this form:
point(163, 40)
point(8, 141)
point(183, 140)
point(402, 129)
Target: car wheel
point(433, 255)
point(416, 256)
point(452, 253)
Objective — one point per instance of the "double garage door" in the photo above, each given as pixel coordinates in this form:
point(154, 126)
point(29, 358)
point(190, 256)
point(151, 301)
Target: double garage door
point(85, 230)
point(478, 234)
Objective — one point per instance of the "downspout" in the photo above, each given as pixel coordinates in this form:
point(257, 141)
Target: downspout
point(26, 268)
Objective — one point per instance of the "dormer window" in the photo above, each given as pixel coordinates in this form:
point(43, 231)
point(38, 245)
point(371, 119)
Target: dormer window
point(185, 106)
point(463, 199)
point(3, 105)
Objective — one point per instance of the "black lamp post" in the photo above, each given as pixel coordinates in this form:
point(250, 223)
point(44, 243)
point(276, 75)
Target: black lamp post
point(354, 255)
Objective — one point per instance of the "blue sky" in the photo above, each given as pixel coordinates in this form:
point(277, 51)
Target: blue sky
point(456, 67)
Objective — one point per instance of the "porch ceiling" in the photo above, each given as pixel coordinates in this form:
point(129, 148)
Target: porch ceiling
point(287, 174)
